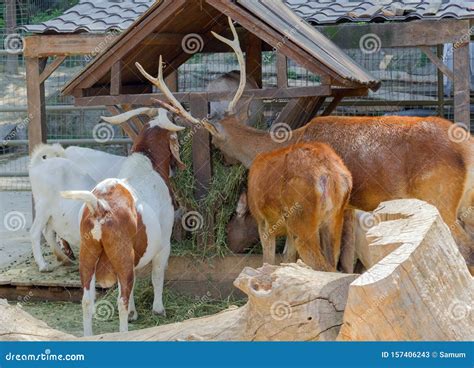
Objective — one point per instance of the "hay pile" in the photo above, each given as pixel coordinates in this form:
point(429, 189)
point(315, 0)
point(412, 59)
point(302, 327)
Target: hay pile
point(220, 202)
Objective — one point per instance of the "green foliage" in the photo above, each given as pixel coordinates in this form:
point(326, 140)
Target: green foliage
point(46, 15)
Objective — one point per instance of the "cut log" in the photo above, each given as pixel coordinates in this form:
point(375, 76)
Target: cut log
point(419, 289)
point(17, 325)
point(290, 302)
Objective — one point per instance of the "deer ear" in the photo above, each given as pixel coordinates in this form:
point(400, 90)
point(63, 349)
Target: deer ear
point(242, 113)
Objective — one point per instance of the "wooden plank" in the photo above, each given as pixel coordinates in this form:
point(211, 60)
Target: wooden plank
point(36, 103)
point(125, 126)
point(253, 60)
point(437, 61)
point(65, 44)
point(145, 99)
point(462, 81)
point(298, 112)
point(159, 39)
point(440, 82)
point(116, 78)
point(282, 70)
point(404, 34)
point(332, 105)
point(51, 68)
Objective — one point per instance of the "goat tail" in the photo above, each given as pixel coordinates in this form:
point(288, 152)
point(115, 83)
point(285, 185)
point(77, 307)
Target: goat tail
point(83, 195)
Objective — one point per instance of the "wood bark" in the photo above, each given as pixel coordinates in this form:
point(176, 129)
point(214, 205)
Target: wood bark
point(419, 287)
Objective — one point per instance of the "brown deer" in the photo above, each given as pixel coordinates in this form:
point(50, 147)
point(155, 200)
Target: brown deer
point(389, 157)
point(300, 192)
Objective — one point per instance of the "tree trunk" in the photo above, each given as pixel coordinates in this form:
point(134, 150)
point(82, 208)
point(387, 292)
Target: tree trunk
point(420, 287)
point(17, 325)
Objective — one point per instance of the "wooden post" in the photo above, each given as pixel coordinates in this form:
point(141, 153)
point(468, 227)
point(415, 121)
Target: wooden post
point(172, 81)
point(116, 78)
point(439, 53)
point(202, 168)
point(461, 84)
point(282, 70)
point(10, 25)
point(36, 105)
point(254, 58)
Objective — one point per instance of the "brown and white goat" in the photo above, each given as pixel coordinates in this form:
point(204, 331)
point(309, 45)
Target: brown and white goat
point(389, 157)
point(127, 222)
point(300, 192)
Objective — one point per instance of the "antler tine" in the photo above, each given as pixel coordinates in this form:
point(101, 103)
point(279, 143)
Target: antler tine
point(160, 83)
point(235, 45)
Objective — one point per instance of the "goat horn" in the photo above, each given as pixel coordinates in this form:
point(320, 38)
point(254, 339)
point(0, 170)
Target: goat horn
point(122, 118)
point(164, 123)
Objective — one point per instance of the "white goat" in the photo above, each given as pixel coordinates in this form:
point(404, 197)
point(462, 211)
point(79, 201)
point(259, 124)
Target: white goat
point(53, 214)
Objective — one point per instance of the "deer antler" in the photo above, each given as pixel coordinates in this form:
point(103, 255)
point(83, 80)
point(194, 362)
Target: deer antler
point(160, 83)
point(235, 45)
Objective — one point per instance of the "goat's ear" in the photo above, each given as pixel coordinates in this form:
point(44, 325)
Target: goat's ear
point(242, 112)
point(174, 148)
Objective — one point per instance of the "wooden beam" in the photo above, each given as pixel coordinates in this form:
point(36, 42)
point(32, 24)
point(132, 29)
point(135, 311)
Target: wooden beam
point(332, 105)
point(298, 112)
point(65, 44)
point(462, 84)
point(146, 98)
point(404, 34)
point(253, 59)
point(125, 126)
point(51, 68)
point(37, 132)
point(437, 61)
point(282, 70)
point(116, 78)
point(172, 81)
point(160, 39)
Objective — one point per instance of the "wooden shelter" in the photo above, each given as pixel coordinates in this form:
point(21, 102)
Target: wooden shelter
point(112, 79)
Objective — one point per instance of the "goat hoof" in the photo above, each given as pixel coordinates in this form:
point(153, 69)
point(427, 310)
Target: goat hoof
point(132, 316)
point(161, 313)
point(45, 269)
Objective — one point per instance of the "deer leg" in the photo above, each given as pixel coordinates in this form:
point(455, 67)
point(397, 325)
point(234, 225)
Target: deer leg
point(268, 243)
point(290, 254)
point(310, 253)
point(334, 237)
point(348, 239)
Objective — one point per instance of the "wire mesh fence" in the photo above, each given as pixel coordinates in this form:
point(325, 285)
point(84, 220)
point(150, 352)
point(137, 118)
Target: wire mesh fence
point(409, 86)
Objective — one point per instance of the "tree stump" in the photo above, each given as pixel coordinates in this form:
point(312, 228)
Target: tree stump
point(420, 287)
